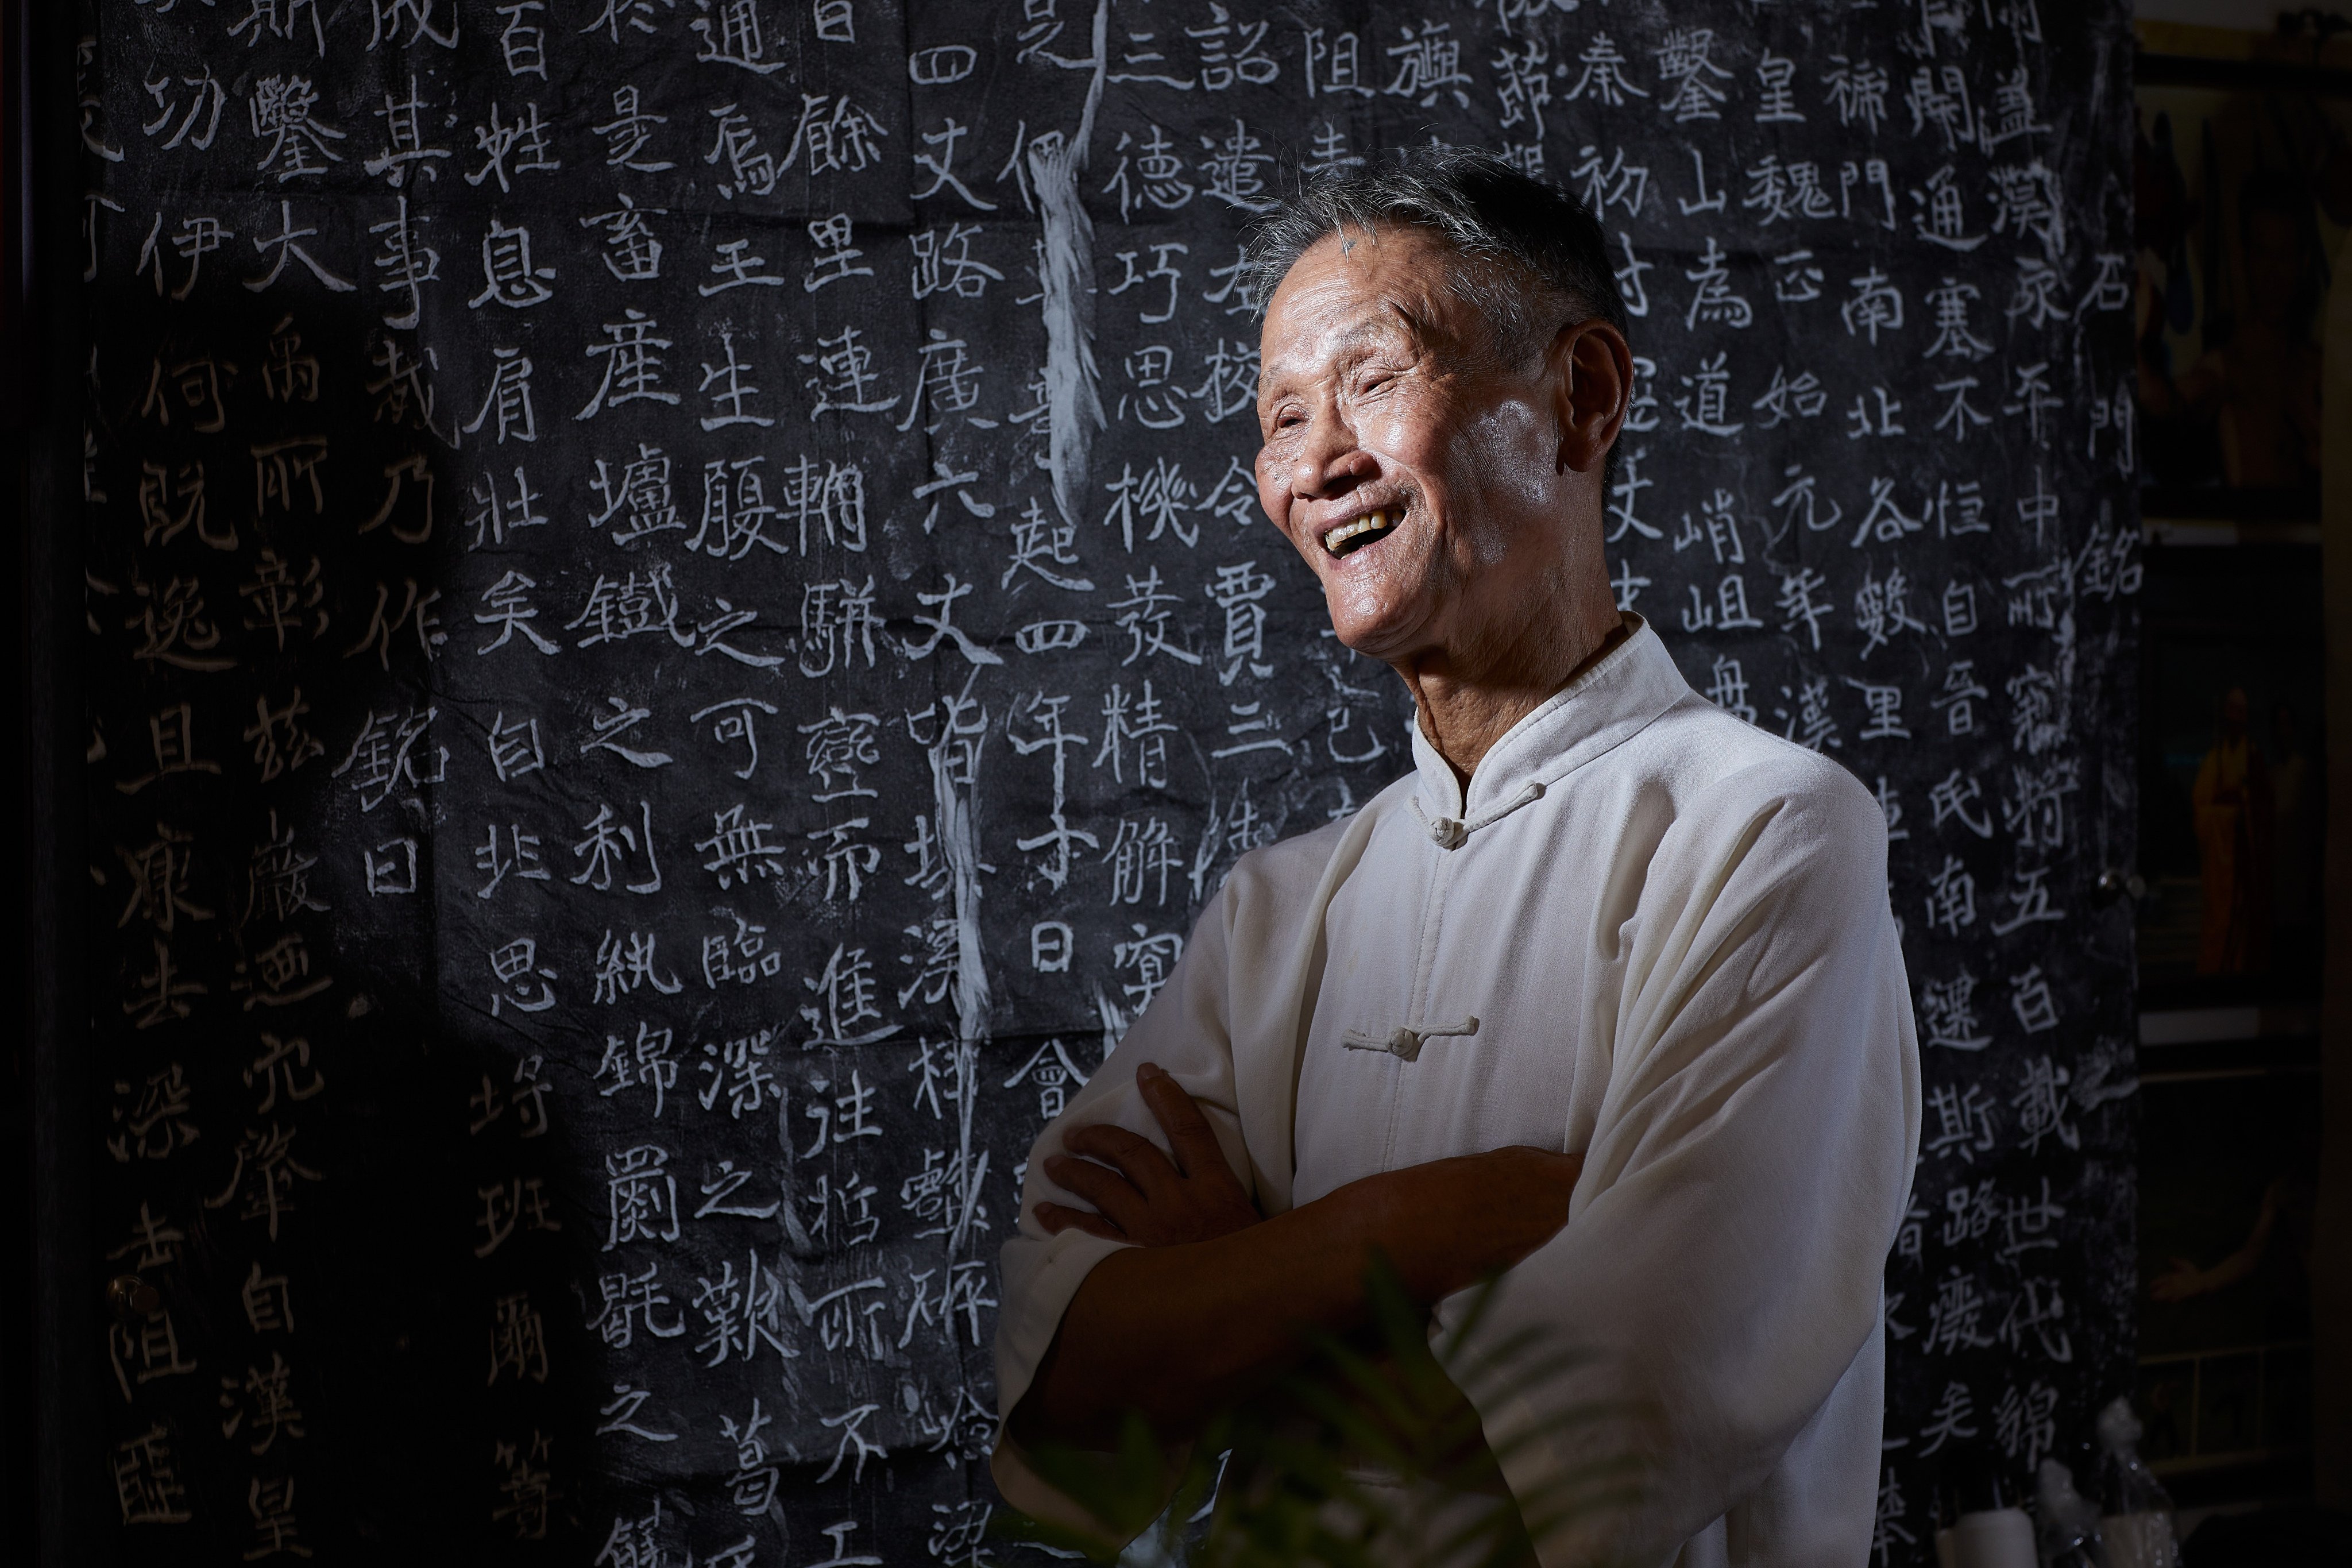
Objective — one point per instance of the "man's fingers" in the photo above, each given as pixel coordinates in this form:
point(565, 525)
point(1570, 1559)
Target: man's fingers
point(1111, 1194)
point(1058, 1217)
point(1137, 1158)
point(1189, 1132)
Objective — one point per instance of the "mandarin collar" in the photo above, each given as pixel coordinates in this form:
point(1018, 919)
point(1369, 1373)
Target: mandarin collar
point(1630, 686)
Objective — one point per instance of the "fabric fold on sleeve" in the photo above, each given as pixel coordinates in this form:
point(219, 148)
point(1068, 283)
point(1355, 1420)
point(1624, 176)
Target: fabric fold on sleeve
point(1185, 1031)
point(1225, 1027)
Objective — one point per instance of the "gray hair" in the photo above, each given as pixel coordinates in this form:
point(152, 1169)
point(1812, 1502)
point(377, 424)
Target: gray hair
point(1540, 261)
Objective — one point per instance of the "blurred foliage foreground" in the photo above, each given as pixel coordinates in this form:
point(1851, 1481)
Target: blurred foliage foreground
point(1369, 1455)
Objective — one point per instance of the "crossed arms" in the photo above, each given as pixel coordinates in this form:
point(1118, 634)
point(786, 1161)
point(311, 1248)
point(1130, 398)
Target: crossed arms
point(1748, 1136)
point(1208, 1307)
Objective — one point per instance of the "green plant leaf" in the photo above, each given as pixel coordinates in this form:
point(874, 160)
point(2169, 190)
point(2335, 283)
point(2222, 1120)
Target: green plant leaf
point(1336, 1467)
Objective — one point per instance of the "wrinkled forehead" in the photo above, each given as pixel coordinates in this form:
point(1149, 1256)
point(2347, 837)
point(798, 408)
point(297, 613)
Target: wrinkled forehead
point(1358, 288)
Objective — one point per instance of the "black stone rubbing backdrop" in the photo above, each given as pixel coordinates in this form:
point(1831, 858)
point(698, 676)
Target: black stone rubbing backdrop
point(679, 630)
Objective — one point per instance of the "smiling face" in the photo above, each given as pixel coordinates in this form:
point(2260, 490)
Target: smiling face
point(1449, 504)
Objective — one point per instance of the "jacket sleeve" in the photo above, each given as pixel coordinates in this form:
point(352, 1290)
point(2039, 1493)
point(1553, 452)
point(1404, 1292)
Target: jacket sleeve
point(1186, 1031)
point(1746, 1172)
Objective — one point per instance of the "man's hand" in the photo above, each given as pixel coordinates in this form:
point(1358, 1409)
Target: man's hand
point(1142, 1195)
point(1207, 1310)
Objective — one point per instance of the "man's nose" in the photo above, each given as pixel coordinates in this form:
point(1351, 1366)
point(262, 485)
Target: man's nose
point(1330, 462)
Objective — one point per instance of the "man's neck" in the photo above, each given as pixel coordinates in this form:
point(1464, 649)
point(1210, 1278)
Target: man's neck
point(1462, 719)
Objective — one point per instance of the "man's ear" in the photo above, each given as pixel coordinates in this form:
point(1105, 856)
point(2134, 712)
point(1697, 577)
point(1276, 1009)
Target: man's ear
point(1592, 371)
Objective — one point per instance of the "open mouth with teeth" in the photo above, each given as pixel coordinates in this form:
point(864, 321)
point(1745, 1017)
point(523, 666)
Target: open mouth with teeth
point(1353, 536)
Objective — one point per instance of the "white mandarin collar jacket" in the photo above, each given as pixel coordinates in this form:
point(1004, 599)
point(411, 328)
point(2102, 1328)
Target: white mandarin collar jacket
point(1649, 932)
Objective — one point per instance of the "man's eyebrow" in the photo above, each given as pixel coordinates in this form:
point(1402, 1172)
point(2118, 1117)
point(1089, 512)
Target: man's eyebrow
point(1353, 341)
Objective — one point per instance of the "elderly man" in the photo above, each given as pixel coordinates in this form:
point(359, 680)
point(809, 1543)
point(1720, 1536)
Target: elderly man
point(1604, 994)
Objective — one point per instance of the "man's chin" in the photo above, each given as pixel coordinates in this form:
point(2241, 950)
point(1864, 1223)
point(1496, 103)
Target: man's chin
point(1385, 633)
